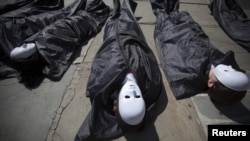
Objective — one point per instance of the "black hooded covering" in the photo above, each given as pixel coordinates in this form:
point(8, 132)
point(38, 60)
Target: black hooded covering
point(124, 49)
point(232, 20)
point(56, 34)
point(185, 51)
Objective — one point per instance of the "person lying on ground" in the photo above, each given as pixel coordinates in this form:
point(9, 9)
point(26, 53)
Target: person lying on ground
point(190, 62)
point(52, 49)
point(125, 85)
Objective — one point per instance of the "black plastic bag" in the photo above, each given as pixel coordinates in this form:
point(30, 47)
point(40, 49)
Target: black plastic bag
point(184, 50)
point(58, 42)
point(124, 49)
point(15, 30)
point(232, 20)
point(10, 9)
point(56, 34)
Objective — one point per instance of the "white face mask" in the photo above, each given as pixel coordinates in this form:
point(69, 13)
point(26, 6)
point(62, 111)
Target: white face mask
point(231, 78)
point(131, 103)
point(23, 51)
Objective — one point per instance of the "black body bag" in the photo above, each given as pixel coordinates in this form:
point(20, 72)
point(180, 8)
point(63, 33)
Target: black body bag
point(184, 49)
point(124, 49)
point(232, 20)
point(56, 34)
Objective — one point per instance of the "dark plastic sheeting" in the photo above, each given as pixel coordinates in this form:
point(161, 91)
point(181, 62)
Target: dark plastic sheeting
point(124, 49)
point(184, 49)
point(22, 8)
point(232, 20)
point(56, 33)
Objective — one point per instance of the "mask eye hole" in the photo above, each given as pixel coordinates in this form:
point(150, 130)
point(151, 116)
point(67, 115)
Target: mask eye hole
point(127, 96)
point(136, 96)
point(225, 70)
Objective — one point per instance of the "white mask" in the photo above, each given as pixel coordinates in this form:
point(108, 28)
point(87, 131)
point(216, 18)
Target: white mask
point(231, 78)
point(23, 51)
point(131, 103)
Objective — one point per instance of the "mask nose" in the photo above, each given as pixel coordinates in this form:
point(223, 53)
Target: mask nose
point(136, 95)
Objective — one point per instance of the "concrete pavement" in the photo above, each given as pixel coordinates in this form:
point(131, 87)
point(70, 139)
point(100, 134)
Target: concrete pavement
point(56, 110)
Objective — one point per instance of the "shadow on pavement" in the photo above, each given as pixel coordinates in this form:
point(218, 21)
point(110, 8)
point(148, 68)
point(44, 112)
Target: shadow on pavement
point(148, 134)
point(237, 112)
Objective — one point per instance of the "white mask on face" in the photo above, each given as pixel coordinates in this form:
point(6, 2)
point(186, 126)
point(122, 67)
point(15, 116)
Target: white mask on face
point(23, 51)
point(231, 78)
point(131, 103)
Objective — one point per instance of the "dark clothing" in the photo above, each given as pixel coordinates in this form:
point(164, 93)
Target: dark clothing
point(184, 50)
point(124, 49)
point(232, 20)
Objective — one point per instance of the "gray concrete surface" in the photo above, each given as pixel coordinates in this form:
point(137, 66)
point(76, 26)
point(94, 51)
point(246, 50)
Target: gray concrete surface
point(27, 114)
point(56, 110)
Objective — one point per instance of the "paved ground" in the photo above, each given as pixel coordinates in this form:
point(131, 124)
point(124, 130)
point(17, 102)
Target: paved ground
point(56, 110)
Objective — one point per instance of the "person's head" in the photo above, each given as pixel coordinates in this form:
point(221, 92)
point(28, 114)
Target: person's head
point(131, 107)
point(226, 85)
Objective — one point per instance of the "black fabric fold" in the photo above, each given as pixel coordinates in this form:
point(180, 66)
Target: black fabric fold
point(58, 42)
point(23, 8)
point(232, 20)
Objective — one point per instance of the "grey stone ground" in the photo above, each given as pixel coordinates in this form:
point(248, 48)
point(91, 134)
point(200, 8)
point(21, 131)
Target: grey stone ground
point(56, 110)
